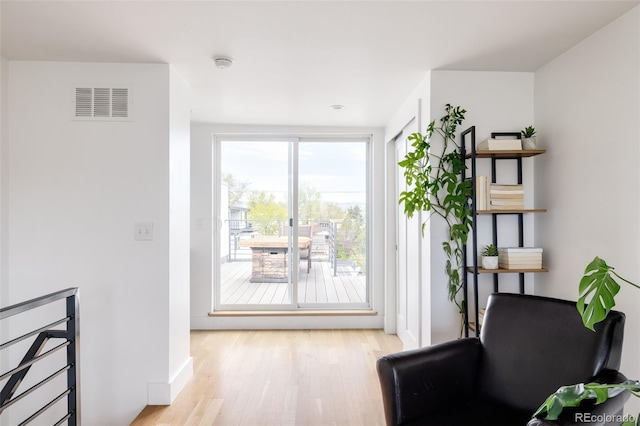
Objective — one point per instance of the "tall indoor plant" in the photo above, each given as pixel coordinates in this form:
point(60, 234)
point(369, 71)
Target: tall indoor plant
point(434, 185)
point(597, 290)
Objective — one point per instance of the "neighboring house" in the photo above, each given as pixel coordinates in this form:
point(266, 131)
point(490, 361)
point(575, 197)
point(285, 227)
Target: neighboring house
point(238, 217)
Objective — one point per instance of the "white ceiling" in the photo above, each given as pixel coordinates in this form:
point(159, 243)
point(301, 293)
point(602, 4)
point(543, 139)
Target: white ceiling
point(293, 59)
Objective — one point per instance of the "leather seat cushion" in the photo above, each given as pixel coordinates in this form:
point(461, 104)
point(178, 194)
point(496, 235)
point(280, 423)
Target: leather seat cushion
point(476, 413)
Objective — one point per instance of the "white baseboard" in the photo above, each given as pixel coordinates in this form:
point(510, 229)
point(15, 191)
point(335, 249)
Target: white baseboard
point(166, 393)
point(286, 322)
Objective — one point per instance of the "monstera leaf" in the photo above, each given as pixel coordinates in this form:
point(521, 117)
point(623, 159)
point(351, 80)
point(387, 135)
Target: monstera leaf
point(573, 395)
point(599, 286)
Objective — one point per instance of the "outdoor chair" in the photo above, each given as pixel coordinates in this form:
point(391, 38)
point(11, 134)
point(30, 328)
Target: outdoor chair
point(303, 231)
point(529, 347)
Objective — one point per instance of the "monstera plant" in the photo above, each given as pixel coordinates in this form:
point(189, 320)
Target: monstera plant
point(597, 291)
point(434, 185)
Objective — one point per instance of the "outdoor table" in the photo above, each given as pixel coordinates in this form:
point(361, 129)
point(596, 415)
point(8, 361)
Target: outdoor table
point(269, 256)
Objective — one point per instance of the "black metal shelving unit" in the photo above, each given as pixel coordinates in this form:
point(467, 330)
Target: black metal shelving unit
point(473, 269)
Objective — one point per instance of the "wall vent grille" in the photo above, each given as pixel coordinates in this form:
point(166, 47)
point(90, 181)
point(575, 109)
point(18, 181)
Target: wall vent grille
point(102, 103)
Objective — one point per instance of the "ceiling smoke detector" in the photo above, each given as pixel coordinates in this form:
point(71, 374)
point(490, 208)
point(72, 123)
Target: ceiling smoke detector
point(222, 62)
point(337, 107)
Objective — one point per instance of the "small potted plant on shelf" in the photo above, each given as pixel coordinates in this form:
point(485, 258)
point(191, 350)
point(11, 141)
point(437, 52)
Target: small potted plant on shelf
point(490, 257)
point(528, 137)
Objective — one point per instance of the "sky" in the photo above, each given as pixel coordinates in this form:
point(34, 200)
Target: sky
point(336, 169)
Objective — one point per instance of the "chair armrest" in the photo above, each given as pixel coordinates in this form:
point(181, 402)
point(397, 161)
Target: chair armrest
point(608, 413)
point(415, 383)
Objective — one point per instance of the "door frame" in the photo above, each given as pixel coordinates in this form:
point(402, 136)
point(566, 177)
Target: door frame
point(217, 224)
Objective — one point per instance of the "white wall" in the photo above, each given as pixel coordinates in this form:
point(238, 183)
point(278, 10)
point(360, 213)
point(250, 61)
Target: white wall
point(415, 107)
point(180, 361)
point(74, 190)
point(202, 219)
point(4, 85)
point(587, 111)
point(495, 102)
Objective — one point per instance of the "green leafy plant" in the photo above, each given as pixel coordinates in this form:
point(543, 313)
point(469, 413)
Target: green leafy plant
point(528, 132)
point(434, 185)
point(599, 286)
point(490, 250)
point(597, 290)
point(572, 396)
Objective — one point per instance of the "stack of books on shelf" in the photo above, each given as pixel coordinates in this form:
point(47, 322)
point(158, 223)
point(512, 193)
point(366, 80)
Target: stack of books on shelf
point(493, 196)
point(506, 197)
point(500, 145)
point(520, 258)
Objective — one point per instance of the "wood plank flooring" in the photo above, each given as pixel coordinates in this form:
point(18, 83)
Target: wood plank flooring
point(317, 286)
point(280, 377)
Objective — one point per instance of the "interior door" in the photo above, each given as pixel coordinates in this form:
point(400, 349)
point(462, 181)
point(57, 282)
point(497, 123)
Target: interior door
point(407, 257)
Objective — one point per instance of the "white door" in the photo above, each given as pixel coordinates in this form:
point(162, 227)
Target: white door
point(408, 257)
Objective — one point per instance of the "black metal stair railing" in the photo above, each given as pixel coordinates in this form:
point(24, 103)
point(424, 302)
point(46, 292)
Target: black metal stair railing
point(69, 337)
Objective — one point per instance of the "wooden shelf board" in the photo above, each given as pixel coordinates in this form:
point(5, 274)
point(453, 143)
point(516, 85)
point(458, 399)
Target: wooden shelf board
point(472, 326)
point(511, 211)
point(505, 271)
point(515, 153)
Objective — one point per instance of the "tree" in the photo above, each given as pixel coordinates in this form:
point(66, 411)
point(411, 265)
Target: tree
point(352, 238)
point(309, 203)
point(236, 189)
point(265, 213)
point(331, 211)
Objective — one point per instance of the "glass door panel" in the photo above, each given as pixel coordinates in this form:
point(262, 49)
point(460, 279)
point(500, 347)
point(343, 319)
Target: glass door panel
point(254, 246)
point(332, 217)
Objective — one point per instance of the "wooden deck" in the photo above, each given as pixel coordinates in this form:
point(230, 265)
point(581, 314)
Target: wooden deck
point(318, 286)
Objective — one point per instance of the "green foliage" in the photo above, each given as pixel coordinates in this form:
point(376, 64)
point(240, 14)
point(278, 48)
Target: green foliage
point(572, 396)
point(236, 189)
point(434, 185)
point(266, 212)
point(351, 243)
point(331, 211)
point(309, 203)
point(528, 132)
point(598, 284)
point(490, 250)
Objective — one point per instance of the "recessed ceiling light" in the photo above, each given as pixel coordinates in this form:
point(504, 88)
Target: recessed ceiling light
point(337, 107)
point(223, 62)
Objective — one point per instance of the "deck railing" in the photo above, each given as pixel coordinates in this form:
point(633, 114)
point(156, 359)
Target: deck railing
point(69, 337)
point(341, 243)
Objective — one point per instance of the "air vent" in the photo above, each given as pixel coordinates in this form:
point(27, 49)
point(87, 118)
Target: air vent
point(102, 103)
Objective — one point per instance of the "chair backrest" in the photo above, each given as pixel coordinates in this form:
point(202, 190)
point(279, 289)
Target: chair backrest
point(533, 345)
point(303, 230)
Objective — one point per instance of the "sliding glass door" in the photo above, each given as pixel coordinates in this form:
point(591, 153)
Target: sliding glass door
point(332, 199)
point(292, 223)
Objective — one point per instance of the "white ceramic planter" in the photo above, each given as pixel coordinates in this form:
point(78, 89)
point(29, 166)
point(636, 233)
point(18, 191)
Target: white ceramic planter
point(529, 143)
point(490, 262)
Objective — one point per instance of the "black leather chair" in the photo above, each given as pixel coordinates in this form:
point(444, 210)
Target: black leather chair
point(529, 346)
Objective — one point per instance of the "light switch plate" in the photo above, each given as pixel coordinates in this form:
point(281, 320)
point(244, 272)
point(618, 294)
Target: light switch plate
point(143, 231)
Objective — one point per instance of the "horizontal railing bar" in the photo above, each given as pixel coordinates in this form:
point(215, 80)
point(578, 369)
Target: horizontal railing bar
point(38, 301)
point(34, 360)
point(33, 333)
point(62, 420)
point(46, 407)
point(33, 388)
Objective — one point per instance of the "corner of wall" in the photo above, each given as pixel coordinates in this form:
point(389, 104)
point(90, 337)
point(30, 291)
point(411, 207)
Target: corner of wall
point(4, 84)
point(166, 393)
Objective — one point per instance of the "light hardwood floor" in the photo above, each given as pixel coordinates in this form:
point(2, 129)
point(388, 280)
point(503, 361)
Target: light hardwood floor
point(280, 377)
